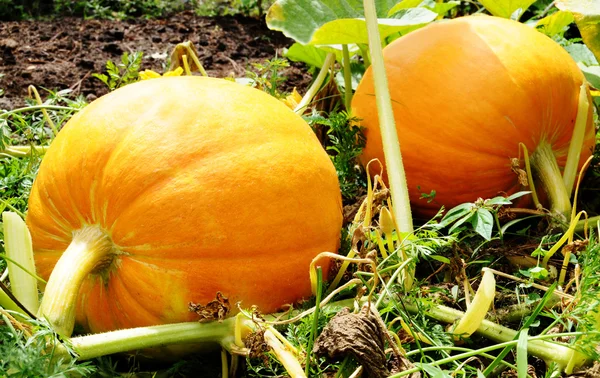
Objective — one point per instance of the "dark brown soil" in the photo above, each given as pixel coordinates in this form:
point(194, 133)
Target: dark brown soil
point(64, 53)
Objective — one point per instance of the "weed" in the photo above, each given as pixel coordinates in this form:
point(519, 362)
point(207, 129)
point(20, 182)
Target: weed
point(120, 74)
point(31, 356)
point(267, 76)
point(345, 144)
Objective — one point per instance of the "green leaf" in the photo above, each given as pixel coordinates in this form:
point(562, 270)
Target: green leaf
point(339, 21)
point(443, 8)
point(538, 273)
point(522, 354)
point(582, 54)
point(467, 218)
point(592, 74)
point(555, 24)
point(497, 201)
point(517, 195)
point(483, 223)
point(455, 213)
point(347, 31)
point(441, 259)
point(308, 54)
point(434, 371)
point(404, 4)
point(587, 18)
point(506, 8)
point(357, 71)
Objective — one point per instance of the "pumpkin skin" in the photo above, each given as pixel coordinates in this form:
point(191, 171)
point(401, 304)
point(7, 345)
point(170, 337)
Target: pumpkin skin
point(203, 186)
point(465, 93)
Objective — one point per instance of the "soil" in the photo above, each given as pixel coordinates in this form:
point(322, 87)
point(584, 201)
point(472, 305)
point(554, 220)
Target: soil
point(63, 53)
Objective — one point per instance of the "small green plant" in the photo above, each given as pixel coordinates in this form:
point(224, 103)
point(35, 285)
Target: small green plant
point(267, 76)
point(345, 144)
point(25, 351)
point(122, 73)
point(481, 215)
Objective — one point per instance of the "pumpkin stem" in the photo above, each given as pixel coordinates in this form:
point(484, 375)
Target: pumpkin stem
point(90, 250)
point(581, 122)
point(547, 171)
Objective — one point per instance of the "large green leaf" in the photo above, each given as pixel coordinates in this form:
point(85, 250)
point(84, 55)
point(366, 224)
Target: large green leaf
point(439, 8)
point(586, 61)
point(587, 17)
point(581, 53)
point(347, 31)
point(404, 4)
point(592, 74)
point(506, 8)
point(339, 21)
point(555, 24)
point(311, 55)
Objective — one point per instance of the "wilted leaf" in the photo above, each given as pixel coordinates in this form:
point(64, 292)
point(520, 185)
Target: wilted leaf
point(506, 8)
point(587, 17)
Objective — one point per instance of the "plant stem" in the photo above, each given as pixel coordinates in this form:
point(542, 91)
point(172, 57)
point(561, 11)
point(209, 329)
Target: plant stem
point(387, 125)
point(546, 168)
point(347, 78)
point(33, 92)
point(580, 226)
point(7, 303)
point(90, 249)
point(35, 107)
point(564, 356)
point(22, 151)
point(313, 332)
point(102, 344)
point(285, 356)
point(570, 171)
point(316, 85)
point(17, 242)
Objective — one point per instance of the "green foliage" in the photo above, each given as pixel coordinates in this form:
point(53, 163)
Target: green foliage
point(480, 215)
point(122, 73)
point(25, 127)
point(33, 357)
point(110, 9)
point(267, 76)
point(587, 311)
point(345, 144)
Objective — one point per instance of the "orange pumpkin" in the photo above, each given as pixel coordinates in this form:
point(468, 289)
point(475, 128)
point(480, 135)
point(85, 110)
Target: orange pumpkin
point(465, 93)
point(171, 190)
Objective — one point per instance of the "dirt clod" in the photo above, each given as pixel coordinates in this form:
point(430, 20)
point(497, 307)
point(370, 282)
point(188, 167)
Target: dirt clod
point(361, 336)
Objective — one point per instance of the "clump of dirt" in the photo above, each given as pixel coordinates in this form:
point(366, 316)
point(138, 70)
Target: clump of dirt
point(363, 336)
point(63, 53)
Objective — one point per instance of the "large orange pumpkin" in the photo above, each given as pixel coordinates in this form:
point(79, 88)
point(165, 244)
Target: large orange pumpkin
point(465, 93)
point(168, 191)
